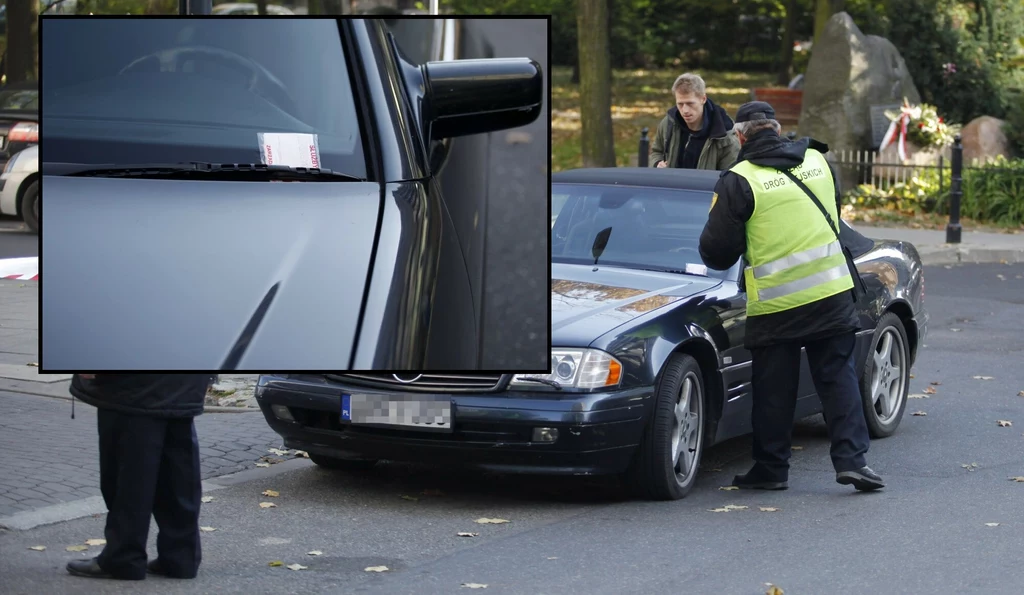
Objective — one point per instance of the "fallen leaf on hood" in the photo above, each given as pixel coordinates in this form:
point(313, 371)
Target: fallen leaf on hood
point(315, 553)
point(515, 138)
point(208, 499)
point(796, 448)
point(271, 493)
point(1017, 479)
point(991, 524)
point(467, 534)
point(409, 498)
point(486, 521)
point(268, 505)
point(984, 377)
point(207, 529)
point(728, 488)
point(1001, 277)
point(936, 383)
point(1003, 423)
point(769, 509)
point(77, 548)
point(919, 413)
point(33, 364)
point(278, 452)
point(38, 548)
point(917, 396)
point(301, 453)
point(912, 376)
point(296, 567)
point(276, 563)
point(929, 390)
point(376, 569)
point(735, 507)
point(432, 492)
point(474, 586)
point(95, 542)
point(773, 590)
point(262, 464)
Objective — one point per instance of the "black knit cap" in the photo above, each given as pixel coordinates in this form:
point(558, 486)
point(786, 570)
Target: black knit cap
point(755, 110)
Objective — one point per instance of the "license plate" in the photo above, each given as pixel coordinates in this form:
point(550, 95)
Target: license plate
point(420, 412)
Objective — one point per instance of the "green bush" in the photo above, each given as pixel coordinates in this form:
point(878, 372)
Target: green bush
point(994, 192)
point(919, 193)
point(1014, 127)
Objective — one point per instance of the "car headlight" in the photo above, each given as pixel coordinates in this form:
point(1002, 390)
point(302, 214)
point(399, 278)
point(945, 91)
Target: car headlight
point(575, 368)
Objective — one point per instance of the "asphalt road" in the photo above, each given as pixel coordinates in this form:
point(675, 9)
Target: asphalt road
point(925, 533)
point(16, 240)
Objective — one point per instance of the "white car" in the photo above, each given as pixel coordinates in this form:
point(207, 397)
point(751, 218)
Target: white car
point(19, 187)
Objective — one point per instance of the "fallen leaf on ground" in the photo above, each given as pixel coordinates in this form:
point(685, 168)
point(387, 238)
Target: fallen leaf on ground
point(955, 330)
point(315, 553)
point(38, 548)
point(769, 509)
point(1017, 479)
point(410, 498)
point(474, 586)
point(1003, 423)
point(271, 493)
point(278, 452)
point(912, 376)
point(207, 529)
point(552, 557)
point(929, 390)
point(432, 492)
point(301, 453)
point(207, 499)
point(268, 505)
point(718, 510)
point(991, 524)
point(515, 138)
point(1001, 277)
point(936, 383)
point(718, 469)
point(77, 548)
point(1020, 394)
point(276, 563)
point(917, 396)
point(984, 377)
point(728, 488)
point(296, 567)
point(735, 507)
point(95, 542)
point(262, 464)
point(919, 413)
point(970, 467)
point(33, 364)
point(486, 521)
point(773, 590)
point(376, 569)
point(467, 534)
point(796, 448)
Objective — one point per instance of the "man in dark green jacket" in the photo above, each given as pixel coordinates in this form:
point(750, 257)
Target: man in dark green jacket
point(696, 133)
point(149, 465)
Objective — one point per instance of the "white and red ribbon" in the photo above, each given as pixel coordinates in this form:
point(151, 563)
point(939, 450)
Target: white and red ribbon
point(906, 112)
point(25, 269)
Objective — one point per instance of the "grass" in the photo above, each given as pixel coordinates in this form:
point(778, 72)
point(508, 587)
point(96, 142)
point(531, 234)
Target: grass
point(639, 98)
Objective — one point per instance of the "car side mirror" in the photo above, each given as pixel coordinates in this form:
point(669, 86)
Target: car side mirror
point(465, 97)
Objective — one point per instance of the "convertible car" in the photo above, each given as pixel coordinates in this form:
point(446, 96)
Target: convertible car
point(172, 242)
point(647, 367)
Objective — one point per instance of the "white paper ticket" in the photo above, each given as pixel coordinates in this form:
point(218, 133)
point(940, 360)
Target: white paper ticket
point(289, 148)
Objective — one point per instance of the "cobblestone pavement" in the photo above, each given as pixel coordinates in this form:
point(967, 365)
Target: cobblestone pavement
point(48, 458)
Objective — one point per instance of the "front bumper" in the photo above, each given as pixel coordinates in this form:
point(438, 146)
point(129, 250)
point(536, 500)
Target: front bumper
point(597, 433)
point(9, 185)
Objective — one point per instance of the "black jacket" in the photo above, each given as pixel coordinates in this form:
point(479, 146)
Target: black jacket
point(151, 395)
point(724, 241)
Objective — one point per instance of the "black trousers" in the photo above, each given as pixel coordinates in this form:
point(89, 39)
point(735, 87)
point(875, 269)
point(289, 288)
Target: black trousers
point(149, 466)
point(776, 374)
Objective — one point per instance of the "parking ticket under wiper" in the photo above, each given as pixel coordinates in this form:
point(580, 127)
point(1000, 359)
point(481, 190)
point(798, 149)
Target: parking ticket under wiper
point(200, 171)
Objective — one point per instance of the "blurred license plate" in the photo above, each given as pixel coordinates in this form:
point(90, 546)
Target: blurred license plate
point(421, 412)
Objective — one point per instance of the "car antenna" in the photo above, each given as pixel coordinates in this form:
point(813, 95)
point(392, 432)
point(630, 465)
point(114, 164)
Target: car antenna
point(600, 243)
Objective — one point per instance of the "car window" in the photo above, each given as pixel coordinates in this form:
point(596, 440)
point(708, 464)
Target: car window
point(651, 227)
point(192, 89)
point(19, 99)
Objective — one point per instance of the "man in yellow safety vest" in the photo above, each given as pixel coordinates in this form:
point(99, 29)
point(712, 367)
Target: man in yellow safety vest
point(799, 294)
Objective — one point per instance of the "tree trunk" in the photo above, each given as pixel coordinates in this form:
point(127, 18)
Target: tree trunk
point(22, 63)
point(595, 84)
point(786, 51)
point(823, 11)
point(261, 7)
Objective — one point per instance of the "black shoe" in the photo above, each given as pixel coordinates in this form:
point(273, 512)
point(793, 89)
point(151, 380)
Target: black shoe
point(756, 480)
point(89, 568)
point(154, 567)
point(864, 479)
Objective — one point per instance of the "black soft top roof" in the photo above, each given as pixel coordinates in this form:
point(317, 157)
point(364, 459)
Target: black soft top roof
point(666, 177)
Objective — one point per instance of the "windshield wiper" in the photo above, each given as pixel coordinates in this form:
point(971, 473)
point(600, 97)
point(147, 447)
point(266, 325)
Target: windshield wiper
point(551, 383)
point(257, 172)
point(677, 271)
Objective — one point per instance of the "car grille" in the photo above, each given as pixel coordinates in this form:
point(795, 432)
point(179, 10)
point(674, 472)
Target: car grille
point(425, 382)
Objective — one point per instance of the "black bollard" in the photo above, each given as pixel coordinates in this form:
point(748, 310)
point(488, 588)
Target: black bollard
point(955, 193)
point(642, 154)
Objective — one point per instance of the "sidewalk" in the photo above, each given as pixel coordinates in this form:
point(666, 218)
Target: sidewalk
point(974, 247)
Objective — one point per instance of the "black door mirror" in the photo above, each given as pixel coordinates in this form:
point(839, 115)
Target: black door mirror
point(475, 96)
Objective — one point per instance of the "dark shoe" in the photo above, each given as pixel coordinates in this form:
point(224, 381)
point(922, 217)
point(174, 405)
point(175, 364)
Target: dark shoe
point(864, 479)
point(755, 479)
point(91, 568)
point(154, 567)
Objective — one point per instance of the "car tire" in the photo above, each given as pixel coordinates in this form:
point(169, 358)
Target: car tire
point(30, 207)
point(658, 473)
point(338, 464)
point(885, 379)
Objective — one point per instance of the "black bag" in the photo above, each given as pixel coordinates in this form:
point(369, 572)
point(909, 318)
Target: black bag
point(859, 289)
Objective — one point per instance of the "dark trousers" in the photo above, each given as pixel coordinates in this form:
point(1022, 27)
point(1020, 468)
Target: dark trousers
point(776, 374)
point(149, 466)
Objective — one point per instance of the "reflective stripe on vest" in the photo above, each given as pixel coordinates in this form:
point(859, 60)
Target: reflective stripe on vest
point(793, 256)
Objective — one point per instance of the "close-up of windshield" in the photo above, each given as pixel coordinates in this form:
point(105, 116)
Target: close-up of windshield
point(121, 91)
point(655, 229)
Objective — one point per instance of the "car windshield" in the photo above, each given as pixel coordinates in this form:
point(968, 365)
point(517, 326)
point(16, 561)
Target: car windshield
point(651, 228)
point(19, 99)
point(133, 91)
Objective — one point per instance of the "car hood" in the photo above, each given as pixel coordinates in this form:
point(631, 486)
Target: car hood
point(586, 304)
point(165, 274)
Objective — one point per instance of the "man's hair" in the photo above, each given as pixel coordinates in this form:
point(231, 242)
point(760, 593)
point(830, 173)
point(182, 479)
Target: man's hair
point(748, 129)
point(689, 83)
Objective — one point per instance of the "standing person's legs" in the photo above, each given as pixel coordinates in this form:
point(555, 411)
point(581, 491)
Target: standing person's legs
point(130, 449)
point(776, 376)
point(178, 496)
point(835, 378)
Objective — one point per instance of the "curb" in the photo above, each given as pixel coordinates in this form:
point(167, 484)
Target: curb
point(968, 254)
point(76, 509)
point(60, 391)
